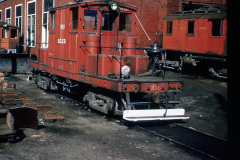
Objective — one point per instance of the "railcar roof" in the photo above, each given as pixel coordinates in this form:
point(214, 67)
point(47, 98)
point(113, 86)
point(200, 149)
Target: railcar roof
point(201, 13)
point(96, 2)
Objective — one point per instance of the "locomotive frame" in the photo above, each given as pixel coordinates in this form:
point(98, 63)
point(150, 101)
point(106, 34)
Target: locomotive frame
point(93, 45)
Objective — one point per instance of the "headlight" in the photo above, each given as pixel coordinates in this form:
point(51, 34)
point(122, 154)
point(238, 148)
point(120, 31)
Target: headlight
point(125, 72)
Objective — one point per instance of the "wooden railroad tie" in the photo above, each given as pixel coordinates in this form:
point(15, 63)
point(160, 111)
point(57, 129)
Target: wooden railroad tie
point(11, 100)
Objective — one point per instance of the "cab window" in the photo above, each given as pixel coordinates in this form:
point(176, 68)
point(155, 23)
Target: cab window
point(107, 22)
point(125, 22)
point(90, 20)
point(74, 18)
point(13, 33)
point(52, 27)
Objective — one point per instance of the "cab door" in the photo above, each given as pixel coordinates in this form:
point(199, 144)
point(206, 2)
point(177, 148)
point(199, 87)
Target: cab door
point(108, 40)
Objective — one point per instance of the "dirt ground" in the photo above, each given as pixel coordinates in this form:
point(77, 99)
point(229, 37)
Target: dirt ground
point(88, 135)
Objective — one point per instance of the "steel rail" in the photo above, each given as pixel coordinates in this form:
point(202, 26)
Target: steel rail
point(174, 139)
point(208, 86)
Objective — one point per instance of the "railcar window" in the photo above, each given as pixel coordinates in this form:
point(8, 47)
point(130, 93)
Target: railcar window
point(107, 22)
point(217, 27)
point(125, 22)
point(74, 18)
point(90, 20)
point(53, 21)
point(190, 29)
point(13, 33)
point(169, 27)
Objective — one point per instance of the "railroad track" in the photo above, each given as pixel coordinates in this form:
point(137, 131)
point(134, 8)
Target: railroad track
point(196, 81)
point(205, 85)
point(204, 144)
point(201, 143)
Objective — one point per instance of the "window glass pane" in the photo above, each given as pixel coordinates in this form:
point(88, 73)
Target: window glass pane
point(20, 25)
point(47, 4)
point(169, 27)
point(107, 22)
point(29, 23)
point(20, 22)
point(8, 21)
point(16, 20)
point(33, 30)
point(217, 27)
point(125, 22)
point(45, 18)
point(90, 20)
point(52, 21)
point(19, 11)
point(31, 8)
point(8, 13)
point(13, 33)
point(190, 27)
point(4, 33)
point(0, 15)
point(44, 40)
point(74, 18)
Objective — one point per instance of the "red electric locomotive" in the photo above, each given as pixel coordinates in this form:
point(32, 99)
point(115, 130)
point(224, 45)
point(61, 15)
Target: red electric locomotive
point(92, 45)
point(197, 37)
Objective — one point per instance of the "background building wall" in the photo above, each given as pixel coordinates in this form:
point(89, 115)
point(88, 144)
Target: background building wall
point(150, 14)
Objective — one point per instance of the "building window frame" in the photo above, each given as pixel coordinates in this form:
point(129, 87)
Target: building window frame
point(45, 23)
point(8, 19)
point(18, 18)
point(31, 25)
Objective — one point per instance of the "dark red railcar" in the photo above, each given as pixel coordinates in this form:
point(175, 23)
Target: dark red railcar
point(92, 46)
point(198, 36)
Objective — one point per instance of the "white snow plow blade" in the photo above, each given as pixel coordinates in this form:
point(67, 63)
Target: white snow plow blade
point(154, 114)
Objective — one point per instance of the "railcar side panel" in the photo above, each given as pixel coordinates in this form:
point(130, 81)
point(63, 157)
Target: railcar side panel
point(201, 38)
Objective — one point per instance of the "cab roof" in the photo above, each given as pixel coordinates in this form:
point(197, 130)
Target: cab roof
point(96, 2)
